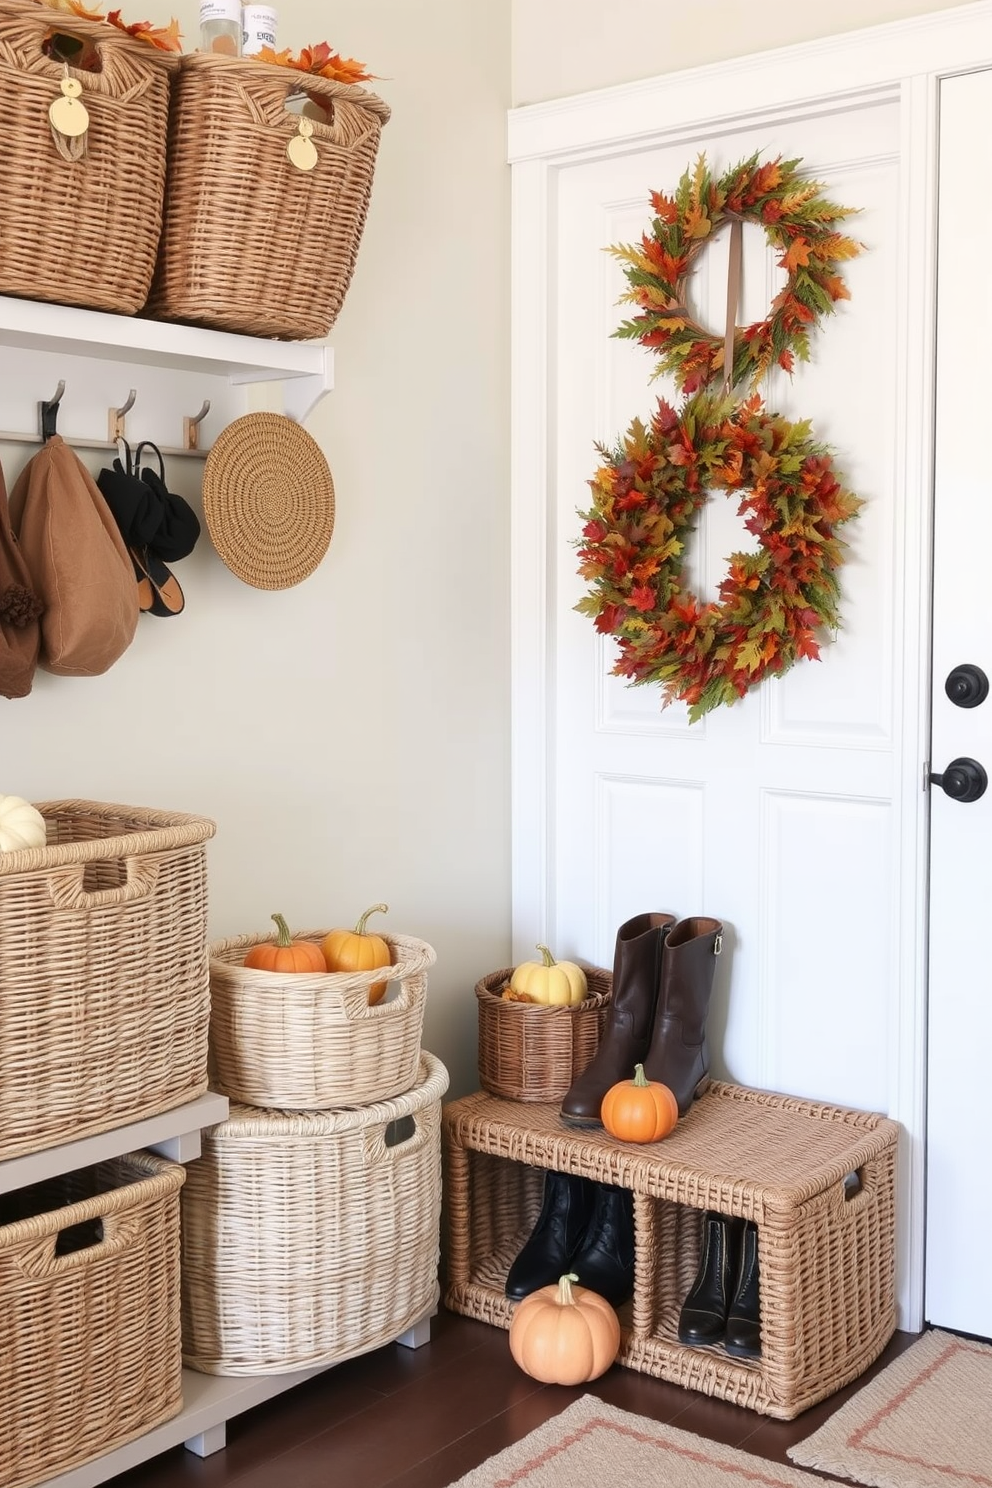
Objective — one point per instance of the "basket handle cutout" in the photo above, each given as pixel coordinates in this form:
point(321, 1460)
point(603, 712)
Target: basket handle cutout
point(346, 125)
point(44, 1259)
point(118, 76)
point(857, 1190)
point(398, 1139)
point(67, 888)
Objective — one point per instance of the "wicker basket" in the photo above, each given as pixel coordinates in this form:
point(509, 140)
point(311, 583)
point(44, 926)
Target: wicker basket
point(104, 982)
point(81, 231)
point(311, 1238)
point(89, 1275)
point(250, 243)
point(533, 1053)
point(310, 1041)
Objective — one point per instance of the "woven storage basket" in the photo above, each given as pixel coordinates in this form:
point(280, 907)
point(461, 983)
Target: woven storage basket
point(81, 231)
point(104, 980)
point(310, 1041)
point(91, 1354)
point(249, 242)
point(312, 1237)
point(533, 1053)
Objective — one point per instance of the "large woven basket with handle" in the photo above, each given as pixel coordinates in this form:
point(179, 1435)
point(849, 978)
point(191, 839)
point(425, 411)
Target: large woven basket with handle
point(250, 242)
point(89, 1274)
point(104, 981)
point(80, 218)
point(312, 1236)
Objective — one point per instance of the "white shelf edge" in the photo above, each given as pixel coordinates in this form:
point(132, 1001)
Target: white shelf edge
point(49, 1162)
point(208, 1399)
point(41, 326)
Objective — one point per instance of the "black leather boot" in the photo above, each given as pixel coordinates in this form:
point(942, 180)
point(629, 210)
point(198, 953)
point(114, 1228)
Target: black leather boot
point(605, 1262)
point(703, 1318)
point(743, 1335)
point(679, 1054)
point(566, 1209)
point(629, 1017)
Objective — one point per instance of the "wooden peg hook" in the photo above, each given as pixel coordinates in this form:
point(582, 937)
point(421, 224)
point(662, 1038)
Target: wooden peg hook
point(191, 427)
point(115, 419)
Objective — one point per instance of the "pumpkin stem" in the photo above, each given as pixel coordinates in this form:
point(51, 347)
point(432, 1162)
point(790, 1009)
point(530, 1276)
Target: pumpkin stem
point(376, 909)
point(546, 956)
point(565, 1297)
point(283, 939)
point(639, 1078)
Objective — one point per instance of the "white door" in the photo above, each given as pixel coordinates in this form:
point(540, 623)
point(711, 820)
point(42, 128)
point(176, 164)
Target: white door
point(776, 815)
point(959, 1126)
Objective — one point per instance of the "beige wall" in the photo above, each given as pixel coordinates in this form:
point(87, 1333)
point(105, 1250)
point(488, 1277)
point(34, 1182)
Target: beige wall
point(571, 46)
point(350, 736)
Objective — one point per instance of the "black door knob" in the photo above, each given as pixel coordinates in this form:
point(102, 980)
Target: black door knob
point(963, 780)
point(967, 686)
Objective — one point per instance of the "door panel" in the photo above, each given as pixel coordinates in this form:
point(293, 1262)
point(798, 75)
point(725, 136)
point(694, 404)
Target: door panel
point(775, 815)
point(959, 1019)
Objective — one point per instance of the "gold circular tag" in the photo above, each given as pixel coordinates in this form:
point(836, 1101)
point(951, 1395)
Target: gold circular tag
point(67, 114)
point(301, 150)
point(71, 87)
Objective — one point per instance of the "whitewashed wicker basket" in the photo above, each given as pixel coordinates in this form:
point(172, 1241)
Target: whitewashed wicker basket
point(311, 1237)
point(309, 1041)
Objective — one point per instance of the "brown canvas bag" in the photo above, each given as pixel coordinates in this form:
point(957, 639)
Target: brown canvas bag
point(20, 634)
point(79, 566)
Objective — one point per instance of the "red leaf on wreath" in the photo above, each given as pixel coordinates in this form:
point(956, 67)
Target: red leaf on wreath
point(786, 360)
point(643, 597)
point(806, 645)
point(835, 287)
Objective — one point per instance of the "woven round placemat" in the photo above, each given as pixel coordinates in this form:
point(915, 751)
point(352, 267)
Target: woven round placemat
point(268, 500)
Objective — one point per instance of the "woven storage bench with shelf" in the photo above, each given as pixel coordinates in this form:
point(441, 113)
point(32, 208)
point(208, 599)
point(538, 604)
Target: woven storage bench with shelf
point(249, 242)
point(311, 1237)
point(104, 982)
point(89, 1276)
point(311, 1040)
point(531, 1052)
point(826, 1261)
point(81, 217)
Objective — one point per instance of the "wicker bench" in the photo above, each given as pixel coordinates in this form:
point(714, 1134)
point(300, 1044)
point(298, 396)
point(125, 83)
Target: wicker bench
point(826, 1253)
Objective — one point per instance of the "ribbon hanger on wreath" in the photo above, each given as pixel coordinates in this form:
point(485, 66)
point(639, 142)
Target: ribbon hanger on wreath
point(650, 486)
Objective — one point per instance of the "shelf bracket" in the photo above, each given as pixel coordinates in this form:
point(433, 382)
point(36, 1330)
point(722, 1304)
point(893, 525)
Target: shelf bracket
point(301, 391)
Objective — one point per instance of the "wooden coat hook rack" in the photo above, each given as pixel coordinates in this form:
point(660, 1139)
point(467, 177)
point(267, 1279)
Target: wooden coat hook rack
point(48, 411)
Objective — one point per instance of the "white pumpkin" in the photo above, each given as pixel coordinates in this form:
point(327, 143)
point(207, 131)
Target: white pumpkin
point(21, 825)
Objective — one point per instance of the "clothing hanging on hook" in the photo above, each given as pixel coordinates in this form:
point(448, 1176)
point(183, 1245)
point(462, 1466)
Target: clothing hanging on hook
point(158, 526)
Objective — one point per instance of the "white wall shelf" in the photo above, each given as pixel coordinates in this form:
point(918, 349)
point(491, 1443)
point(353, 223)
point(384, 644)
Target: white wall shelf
point(174, 1134)
point(42, 344)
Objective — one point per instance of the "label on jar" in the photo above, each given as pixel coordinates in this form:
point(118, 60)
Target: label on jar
point(258, 28)
point(220, 10)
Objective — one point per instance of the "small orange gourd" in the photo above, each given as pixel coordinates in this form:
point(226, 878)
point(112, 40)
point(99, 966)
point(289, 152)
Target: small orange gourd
point(355, 950)
point(564, 1335)
point(284, 953)
point(639, 1110)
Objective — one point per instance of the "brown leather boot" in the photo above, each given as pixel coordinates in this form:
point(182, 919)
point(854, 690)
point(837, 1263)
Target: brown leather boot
point(679, 1055)
point(629, 1017)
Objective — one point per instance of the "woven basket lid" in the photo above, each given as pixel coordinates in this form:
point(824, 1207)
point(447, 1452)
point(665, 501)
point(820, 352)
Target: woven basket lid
point(268, 500)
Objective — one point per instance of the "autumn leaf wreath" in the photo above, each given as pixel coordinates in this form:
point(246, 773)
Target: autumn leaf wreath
point(650, 487)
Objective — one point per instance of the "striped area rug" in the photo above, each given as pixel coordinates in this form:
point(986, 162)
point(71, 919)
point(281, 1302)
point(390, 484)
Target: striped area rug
point(925, 1421)
point(593, 1445)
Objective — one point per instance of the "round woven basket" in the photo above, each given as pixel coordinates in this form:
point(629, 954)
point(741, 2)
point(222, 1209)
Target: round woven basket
point(313, 1237)
point(309, 1041)
point(529, 1052)
point(268, 499)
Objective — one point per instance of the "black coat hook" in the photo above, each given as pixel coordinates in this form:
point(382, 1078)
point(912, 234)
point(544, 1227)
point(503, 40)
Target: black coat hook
point(49, 413)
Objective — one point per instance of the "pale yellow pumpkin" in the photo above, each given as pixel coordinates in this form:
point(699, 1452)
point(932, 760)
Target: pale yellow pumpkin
point(564, 1335)
point(554, 983)
point(21, 825)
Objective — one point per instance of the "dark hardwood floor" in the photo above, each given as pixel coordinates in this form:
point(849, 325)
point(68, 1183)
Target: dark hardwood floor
point(420, 1418)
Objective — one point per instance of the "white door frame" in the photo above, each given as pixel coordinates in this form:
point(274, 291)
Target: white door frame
point(904, 62)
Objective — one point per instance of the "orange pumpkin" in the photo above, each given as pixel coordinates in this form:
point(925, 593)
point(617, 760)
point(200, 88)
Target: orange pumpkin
point(564, 1335)
point(354, 950)
point(286, 954)
point(639, 1110)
